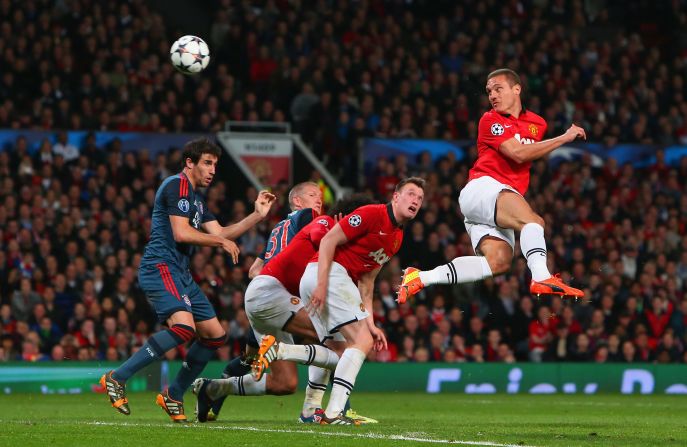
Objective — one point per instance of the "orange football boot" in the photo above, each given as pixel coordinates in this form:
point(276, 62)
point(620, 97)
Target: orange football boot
point(554, 286)
point(410, 284)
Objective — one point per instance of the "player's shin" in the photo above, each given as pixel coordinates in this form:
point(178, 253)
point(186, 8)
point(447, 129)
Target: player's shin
point(156, 346)
point(533, 246)
point(238, 386)
point(308, 355)
point(460, 270)
point(237, 367)
point(318, 378)
point(197, 357)
point(344, 379)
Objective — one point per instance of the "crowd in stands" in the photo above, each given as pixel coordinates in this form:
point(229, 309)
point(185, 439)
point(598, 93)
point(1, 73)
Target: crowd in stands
point(74, 220)
point(72, 235)
point(342, 70)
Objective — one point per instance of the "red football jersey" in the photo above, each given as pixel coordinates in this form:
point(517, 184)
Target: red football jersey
point(374, 237)
point(288, 266)
point(494, 129)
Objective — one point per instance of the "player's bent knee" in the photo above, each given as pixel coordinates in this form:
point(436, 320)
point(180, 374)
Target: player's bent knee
point(184, 332)
point(364, 342)
point(500, 262)
point(282, 385)
point(537, 219)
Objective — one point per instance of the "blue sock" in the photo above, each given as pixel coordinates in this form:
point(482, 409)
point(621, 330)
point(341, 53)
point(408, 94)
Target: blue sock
point(153, 349)
point(197, 357)
point(237, 367)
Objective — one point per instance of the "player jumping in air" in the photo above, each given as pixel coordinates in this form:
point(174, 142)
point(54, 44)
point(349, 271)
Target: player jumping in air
point(179, 214)
point(509, 138)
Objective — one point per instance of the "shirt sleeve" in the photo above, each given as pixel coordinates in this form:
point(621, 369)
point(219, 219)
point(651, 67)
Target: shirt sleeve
point(207, 214)
point(264, 252)
point(321, 227)
point(359, 221)
point(172, 202)
point(492, 132)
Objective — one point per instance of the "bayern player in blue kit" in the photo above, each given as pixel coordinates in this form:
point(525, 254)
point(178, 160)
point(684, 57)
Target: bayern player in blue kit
point(180, 221)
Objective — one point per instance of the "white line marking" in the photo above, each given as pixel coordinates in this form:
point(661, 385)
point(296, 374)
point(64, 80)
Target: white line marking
point(413, 438)
point(323, 433)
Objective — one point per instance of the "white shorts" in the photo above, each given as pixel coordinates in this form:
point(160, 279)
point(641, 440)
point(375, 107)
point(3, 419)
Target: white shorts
point(343, 305)
point(270, 307)
point(478, 204)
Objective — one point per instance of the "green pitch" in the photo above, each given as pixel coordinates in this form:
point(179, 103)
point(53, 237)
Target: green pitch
point(406, 419)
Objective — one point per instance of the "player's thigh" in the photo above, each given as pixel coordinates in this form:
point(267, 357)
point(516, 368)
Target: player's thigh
point(269, 306)
point(344, 305)
point(499, 253)
point(201, 308)
point(308, 282)
point(482, 232)
point(163, 288)
point(513, 211)
point(181, 317)
point(301, 325)
point(478, 200)
point(282, 378)
point(337, 346)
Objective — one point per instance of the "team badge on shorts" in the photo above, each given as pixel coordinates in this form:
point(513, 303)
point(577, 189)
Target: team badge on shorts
point(355, 220)
point(362, 307)
point(186, 300)
point(295, 300)
point(496, 129)
point(184, 205)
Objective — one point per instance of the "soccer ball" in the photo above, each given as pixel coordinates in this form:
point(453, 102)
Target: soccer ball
point(190, 54)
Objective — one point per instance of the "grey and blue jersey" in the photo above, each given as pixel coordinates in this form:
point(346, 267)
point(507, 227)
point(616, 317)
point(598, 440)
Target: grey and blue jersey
point(175, 197)
point(285, 230)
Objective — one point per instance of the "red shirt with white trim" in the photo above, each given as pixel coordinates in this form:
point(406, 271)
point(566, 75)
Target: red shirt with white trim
point(495, 128)
point(289, 264)
point(373, 236)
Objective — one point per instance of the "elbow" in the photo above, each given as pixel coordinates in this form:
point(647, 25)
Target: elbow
point(519, 157)
point(178, 237)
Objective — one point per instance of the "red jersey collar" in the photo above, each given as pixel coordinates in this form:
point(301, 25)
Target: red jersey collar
point(390, 212)
point(508, 115)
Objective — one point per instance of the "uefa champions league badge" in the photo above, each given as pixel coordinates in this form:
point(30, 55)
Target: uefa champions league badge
point(355, 220)
point(496, 129)
point(323, 222)
point(184, 205)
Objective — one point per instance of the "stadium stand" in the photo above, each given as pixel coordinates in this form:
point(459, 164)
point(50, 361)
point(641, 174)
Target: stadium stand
point(73, 224)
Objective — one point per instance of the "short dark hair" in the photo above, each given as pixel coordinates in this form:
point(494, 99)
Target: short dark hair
point(350, 203)
point(417, 181)
point(513, 77)
point(195, 149)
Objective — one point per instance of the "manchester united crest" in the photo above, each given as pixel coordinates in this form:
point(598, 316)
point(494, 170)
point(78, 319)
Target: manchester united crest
point(295, 300)
point(362, 307)
point(534, 130)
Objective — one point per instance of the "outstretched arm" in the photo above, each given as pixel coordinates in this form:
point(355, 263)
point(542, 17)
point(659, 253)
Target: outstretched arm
point(522, 153)
point(184, 233)
point(262, 207)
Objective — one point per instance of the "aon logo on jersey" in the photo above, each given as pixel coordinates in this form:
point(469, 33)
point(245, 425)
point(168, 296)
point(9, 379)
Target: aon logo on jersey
point(379, 256)
point(522, 140)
